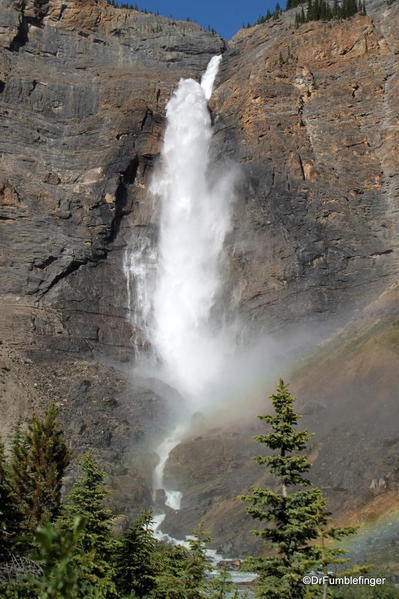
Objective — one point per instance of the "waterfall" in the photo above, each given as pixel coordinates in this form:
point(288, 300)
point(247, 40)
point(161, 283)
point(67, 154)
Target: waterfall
point(176, 289)
point(194, 219)
point(172, 498)
point(139, 264)
point(208, 78)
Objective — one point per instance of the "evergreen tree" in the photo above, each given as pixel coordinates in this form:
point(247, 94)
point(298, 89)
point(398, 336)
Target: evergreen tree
point(10, 517)
point(86, 500)
point(136, 565)
point(328, 556)
point(221, 586)
point(56, 554)
point(96, 545)
point(182, 572)
point(335, 9)
point(321, 10)
point(197, 567)
point(39, 459)
point(171, 580)
point(293, 517)
point(300, 18)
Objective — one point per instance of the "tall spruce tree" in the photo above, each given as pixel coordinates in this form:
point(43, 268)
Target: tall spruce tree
point(197, 566)
point(136, 565)
point(292, 516)
point(170, 580)
point(39, 458)
point(183, 572)
point(222, 587)
point(96, 545)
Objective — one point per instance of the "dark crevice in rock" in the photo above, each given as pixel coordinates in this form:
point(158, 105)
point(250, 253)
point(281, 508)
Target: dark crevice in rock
point(223, 47)
point(383, 253)
point(49, 260)
point(301, 166)
point(127, 178)
point(2, 86)
point(62, 9)
point(22, 36)
point(32, 89)
point(148, 163)
point(300, 111)
point(147, 118)
point(72, 267)
point(129, 175)
point(212, 117)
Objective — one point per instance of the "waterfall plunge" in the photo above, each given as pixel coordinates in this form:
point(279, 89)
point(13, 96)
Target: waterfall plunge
point(194, 220)
point(176, 287)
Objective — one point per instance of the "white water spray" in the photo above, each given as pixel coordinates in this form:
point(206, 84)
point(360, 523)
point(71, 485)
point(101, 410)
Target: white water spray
point(172, 498)
point(176, 289)
point(140, 263)
point(208, 78)
point(194, 220)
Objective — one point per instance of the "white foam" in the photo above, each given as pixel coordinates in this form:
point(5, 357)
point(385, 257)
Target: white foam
point(195, 216)
point(208, 78)
point(173, 499)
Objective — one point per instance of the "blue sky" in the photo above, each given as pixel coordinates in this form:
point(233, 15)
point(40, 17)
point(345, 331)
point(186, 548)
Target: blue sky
point(226, 16)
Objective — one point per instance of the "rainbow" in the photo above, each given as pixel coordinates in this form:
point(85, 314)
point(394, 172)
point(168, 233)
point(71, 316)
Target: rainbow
point(377, 536)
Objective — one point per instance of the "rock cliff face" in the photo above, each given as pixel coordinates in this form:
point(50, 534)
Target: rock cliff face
point(313, 112)
point(83, 90)
point(311, 116)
